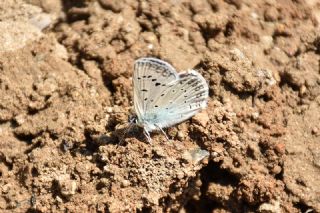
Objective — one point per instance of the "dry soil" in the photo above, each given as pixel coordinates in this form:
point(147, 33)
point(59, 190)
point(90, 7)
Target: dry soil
point(66, 95)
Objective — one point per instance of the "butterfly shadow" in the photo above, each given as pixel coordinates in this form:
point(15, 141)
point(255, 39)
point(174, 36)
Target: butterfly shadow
point(121, 135)
point(135, 131)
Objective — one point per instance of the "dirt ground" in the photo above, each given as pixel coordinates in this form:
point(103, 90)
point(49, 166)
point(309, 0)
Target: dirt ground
point(66, 95)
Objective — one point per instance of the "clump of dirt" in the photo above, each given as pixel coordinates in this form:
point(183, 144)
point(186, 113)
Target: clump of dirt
point(66, 94)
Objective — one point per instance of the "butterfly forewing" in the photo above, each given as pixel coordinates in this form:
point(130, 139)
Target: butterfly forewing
point(150, 78)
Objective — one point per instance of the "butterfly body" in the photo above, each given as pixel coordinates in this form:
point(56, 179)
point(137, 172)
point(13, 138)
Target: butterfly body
point(163, 97)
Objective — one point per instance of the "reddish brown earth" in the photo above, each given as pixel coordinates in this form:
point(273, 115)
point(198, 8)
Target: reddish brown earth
point(66, 94)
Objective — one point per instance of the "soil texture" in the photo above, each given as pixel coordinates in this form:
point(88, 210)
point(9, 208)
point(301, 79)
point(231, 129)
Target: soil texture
point(66, 96)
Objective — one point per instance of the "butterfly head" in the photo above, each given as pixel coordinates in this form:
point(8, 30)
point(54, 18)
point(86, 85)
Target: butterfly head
point(133, 119)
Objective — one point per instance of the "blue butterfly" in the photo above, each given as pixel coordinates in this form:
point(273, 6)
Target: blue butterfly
point(162, 97)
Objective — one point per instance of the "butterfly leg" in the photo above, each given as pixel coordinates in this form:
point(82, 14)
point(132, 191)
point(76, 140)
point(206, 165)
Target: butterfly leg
point(163, 132)
point(147, 134)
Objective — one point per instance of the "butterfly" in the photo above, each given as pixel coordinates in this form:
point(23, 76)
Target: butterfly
point(162, 97)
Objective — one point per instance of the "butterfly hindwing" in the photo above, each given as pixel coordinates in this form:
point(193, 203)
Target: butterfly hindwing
point(187, 96)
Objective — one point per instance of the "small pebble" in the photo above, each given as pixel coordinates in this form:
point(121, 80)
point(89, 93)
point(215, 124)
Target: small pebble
point(115, 6)
point(180, 175)
point(109, 109)
point(267, 41)
point(280, 148)
point(315, 131)
point(198, 183)
point(6, 188)
point(276, 170)
point(214, 154)
point(67, 187)
point(125, 183)
point(150, 46)
point(59, 199)
point(41, 21)
point(271, 14)
point(302, 90)
point(255, 115)
point(19, 119)
point(180, 136)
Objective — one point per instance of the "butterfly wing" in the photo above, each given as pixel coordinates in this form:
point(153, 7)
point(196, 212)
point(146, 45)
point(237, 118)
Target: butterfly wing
point(183, 99)
point(150, 79)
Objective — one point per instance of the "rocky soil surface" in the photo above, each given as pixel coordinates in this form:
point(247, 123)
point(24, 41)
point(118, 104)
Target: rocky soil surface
point(66, 95)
